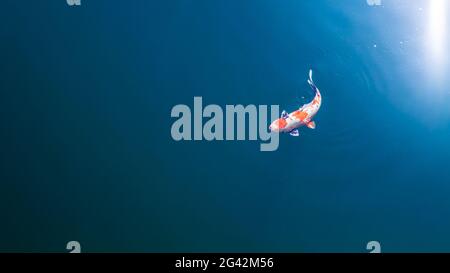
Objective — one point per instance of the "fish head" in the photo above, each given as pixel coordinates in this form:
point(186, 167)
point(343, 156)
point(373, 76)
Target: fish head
point(278, 125)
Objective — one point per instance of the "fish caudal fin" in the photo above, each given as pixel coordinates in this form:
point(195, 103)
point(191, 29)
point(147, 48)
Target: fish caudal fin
point(311, 125)
point(311, 82)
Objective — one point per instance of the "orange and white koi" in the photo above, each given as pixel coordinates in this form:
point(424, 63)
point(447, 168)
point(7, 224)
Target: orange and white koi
point(289, 123)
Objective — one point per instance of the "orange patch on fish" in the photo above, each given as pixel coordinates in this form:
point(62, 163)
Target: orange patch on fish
point(300, 115)
point(282, 123)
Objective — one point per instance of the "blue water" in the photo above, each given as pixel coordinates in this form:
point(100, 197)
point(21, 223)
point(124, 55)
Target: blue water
point(87, 155)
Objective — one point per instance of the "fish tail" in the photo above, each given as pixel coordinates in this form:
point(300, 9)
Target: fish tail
point(311, 82)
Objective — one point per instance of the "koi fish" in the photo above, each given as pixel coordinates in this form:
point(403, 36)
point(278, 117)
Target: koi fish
point(289, 123)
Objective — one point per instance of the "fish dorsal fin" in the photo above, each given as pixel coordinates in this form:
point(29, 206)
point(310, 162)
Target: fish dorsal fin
point(294, 133)
point(311, 125)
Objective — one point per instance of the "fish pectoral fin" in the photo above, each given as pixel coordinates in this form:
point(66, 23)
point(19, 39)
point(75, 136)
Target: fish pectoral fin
point(311, 125)
point(294, 133)
point(284, 115)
